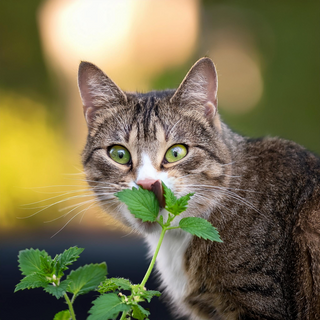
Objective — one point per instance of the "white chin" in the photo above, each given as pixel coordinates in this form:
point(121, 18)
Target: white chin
point(146, 227)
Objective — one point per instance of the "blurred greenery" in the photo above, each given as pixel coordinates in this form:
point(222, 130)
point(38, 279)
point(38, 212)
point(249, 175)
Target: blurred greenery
point(21, 60)
point(35, 150)
point(289, 50)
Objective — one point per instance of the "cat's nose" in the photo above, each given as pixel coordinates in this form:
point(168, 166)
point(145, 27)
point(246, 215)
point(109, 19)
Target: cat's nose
point(147, 183)
point(156, 187)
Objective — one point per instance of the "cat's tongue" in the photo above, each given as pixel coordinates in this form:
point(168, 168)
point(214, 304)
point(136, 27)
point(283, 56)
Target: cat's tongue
point(156, 187)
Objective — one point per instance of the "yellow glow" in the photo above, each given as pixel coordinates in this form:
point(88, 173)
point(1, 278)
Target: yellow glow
point(130, 40)
point(35, 164)
point(240, 80)
point(85, 30)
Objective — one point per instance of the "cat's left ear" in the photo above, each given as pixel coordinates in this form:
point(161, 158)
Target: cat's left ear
point(97, 90)
point(199, 90)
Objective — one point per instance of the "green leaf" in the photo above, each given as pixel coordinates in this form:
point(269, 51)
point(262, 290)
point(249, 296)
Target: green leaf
point(142, 203)
point(62, 315)
point(180, 205)
point(32, 281)
point(30, 261)
point(139, 312)
point(169, 196)
point(113, 284)
point(46, 265)
point(57, 291)
point(86, 278)
point(149, 294)
point(174, 205)
point(107, 306)
point(200, 228)
point(65, 259)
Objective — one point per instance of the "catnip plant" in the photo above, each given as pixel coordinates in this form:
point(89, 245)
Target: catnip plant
point(118, 296)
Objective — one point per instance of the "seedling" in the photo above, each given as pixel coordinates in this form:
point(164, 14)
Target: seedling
point(118, 295)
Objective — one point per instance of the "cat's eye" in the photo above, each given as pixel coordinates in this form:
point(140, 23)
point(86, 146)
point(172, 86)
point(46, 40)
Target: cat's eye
point(176, 153)
point(119, 154)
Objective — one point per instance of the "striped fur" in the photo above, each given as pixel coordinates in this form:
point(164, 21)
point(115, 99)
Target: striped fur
point(263, 195)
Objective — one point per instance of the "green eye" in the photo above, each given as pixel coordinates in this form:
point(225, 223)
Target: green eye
point(119, 154)
point(175, 153)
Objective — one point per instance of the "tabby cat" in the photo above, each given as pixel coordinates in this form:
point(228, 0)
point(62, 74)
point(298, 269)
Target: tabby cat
point(263, 195)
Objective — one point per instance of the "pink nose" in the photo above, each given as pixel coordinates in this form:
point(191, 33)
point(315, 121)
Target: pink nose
point(147, 183)
point(156, 187)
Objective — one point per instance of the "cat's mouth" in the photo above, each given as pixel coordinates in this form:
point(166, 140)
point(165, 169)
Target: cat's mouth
point(156, 187)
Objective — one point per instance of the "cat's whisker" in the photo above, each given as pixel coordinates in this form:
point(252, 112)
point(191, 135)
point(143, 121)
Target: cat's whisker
point(84, 210)
point(174, 127)
point(60, 195)
point(227, 164)
point(75, 207)
point(100, 182)
point(76, 173)
point(219, 187)
point(227, 192)
point(62, 192)
point(58, 186)
point(53, 204)
point(229, 176)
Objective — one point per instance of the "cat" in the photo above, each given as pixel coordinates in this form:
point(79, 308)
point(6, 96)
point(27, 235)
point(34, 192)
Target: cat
point(263, 196)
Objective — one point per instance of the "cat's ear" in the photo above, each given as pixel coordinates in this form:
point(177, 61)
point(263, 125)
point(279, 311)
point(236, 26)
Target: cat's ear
point(199, 89)
point(97, 90)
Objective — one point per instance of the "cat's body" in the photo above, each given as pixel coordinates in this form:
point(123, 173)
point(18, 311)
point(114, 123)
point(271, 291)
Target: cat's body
point(263, 195)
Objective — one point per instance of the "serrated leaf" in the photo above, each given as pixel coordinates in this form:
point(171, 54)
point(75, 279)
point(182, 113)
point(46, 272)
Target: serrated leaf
point(200, 228)
point(113, 284)
point(62, 315)
point(30, 261)
point(46, 265)
point(32, 281)
point(174, 205)
point(107, 306)
point(139, 312)
point(86, 278)
point(149, 294)
point(142, 203)
point(168, 195)
point(65, 259)
point(57, 291)
point(180, 205)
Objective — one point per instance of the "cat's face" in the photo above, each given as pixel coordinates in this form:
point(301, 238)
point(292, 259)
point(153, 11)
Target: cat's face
point(137, 139)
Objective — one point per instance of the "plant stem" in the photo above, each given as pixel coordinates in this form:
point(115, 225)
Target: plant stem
point(123, 316)
point(70, 307)
point(147, 275)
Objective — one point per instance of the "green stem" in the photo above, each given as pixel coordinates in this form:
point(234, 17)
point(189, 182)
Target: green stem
point(70, 307)
point(123, 316)
point(171, 228)
point(73, 298)
point(147, 275)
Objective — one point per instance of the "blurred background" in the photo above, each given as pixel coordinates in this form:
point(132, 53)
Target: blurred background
point(268, 59)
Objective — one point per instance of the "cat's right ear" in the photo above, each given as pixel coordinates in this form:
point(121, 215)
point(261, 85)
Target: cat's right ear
point(199, 89)
point(97, 90)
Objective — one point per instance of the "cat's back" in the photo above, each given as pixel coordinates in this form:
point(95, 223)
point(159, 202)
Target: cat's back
point(288, 179)
point(282, 165)
point(269, 264)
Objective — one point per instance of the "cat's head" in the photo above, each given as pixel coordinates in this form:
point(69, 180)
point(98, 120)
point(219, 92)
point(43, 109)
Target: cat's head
point(136, 139)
